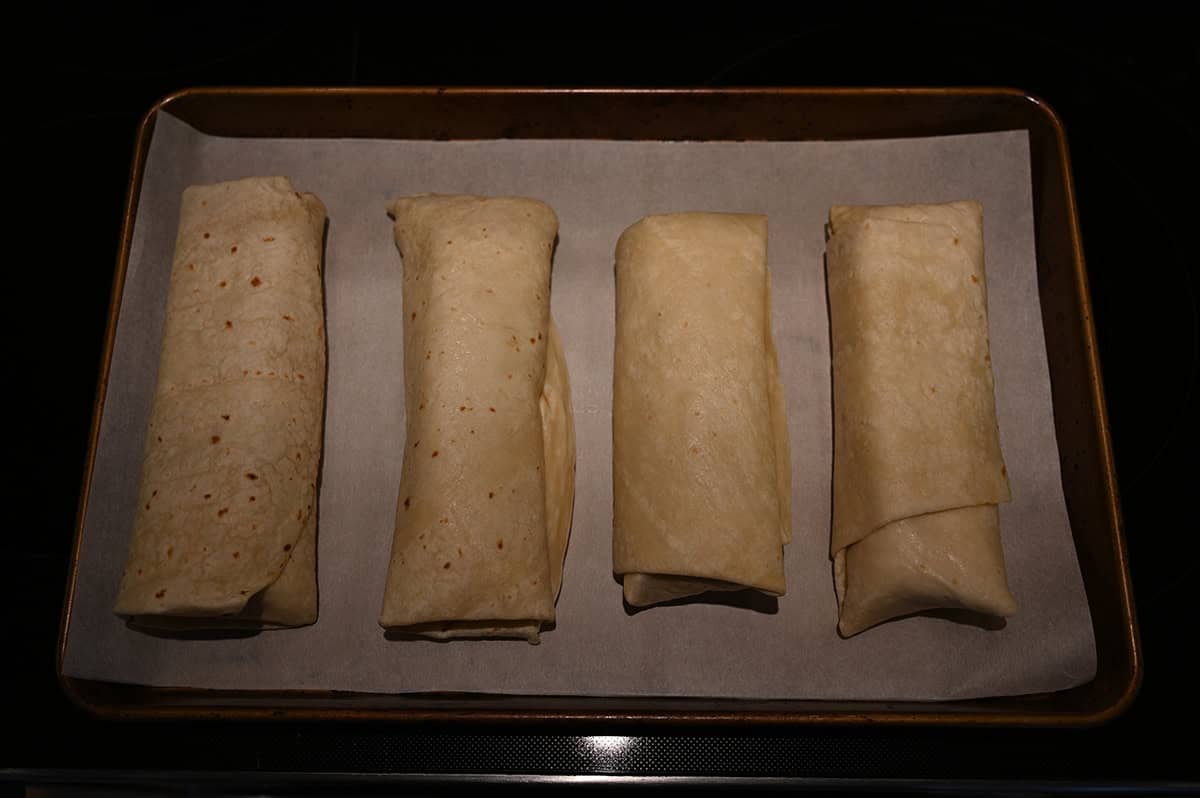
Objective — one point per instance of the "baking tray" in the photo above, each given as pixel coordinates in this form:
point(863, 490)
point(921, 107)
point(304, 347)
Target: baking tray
point(794, 114)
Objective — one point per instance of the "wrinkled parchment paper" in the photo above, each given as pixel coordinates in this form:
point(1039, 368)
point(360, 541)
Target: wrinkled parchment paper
point(598, 188)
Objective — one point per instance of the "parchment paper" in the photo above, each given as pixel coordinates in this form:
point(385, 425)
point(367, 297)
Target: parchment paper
point(598, 188)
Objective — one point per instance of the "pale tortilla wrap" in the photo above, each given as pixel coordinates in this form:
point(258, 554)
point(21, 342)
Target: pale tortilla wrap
point(701, 475)
point(488, 482)
point(226, 527)
point(917, 470)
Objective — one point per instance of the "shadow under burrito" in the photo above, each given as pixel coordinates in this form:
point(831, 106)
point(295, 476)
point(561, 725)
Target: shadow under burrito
point(992, 623)
point(493, 631)
point(182, 632)
point(748, 599)
point(961, 617)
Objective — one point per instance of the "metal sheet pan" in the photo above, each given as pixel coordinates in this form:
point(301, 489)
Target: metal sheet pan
point(768, 114)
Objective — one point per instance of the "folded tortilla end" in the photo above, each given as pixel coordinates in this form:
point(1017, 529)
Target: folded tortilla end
point(948, 560)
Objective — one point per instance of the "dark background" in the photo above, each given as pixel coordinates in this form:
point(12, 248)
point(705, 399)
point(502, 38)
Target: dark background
point(1126, 89)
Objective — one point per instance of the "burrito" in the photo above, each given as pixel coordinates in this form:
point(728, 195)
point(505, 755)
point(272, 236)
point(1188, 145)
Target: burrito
point(917, 468)
point(226, 527)
point(488, 481)
point(701, 476)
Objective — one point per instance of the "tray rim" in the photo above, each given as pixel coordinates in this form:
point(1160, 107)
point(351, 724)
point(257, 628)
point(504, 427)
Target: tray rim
point(941, 712)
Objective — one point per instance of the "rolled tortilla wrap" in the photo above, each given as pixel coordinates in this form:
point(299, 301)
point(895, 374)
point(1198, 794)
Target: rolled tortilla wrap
point(487, 486)
point(225, 533)
point(701, 476)
point(917, 468)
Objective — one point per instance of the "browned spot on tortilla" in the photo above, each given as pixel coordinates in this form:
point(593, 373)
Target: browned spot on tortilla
point(153, 493)
point(492, 409)
point(956, 241)
point(191, 267)
point(407, 500)
point(236, 555)
point(974, 279)
point(170, 550)
point(160, 439)
point(532, 341)
point(208, 495)
point(139, 572)
point(287, 317)
point(206, 235)
point(228, 324)
point(216, 439)
point(225, 416)
point(446, 566)
point(299, 514)
point(251, 475)
point(435, 453)
point(222, 511)
point(255, 281)
point(1004, 470)
point(233, 248)
point(461, 408)
point(163, 592)
point(222, 284)
point(500, 544)
point(147, 505)
point(287, 546)
point(491, 494)
point(253, 499)
point(268, 238)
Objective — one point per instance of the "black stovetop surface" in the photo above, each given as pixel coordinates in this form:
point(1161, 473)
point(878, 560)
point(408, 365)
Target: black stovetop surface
point(1127, 92)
